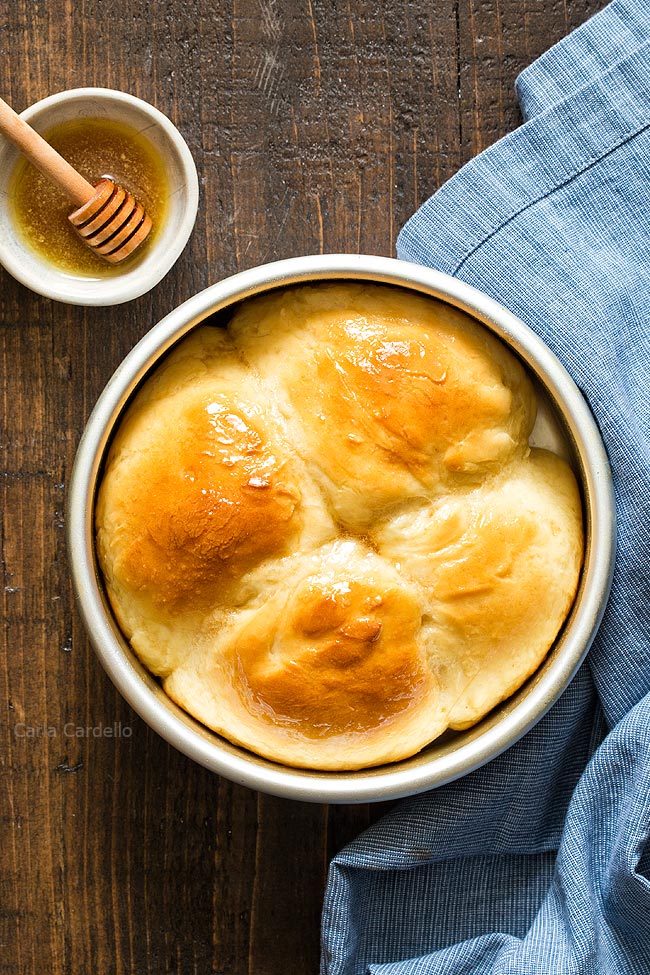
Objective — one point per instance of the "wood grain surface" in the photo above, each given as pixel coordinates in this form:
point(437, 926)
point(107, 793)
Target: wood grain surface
point(315, 126)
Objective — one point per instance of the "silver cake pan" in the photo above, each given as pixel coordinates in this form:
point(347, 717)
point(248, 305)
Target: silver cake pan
point(565, 422)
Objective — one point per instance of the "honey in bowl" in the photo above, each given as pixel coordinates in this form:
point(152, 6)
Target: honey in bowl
point(95, 148)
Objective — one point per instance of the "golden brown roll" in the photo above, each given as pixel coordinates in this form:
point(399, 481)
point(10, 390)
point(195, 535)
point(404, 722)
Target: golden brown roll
point(499, 566)
point(388, 395)
point(200, 487)
point(328, 672)
point(324, 528)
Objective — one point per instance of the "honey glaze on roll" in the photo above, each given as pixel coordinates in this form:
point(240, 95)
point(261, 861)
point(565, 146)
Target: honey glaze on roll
point(325, 530)
point(200, 487)
point(388, 395)
point(329, 672)
point(498, 567)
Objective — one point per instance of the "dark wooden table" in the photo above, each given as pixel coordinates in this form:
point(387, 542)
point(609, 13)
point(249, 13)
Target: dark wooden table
point(315, 127)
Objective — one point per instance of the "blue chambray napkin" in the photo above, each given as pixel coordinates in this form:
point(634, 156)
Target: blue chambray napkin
point(540, 861)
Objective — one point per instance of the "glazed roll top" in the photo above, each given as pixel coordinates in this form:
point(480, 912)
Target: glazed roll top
point(200, 487)
point(330, 671)
point(499, 567)
point(388, 395)
point(324, 529)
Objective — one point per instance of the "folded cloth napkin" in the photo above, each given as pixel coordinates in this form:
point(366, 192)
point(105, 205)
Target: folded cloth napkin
point(540, 861)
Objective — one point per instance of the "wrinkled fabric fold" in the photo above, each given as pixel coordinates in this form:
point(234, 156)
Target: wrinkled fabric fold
point(538, 862)
point(591, 50)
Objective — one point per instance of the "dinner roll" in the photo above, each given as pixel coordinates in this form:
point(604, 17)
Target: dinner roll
point(499, 566)
point(323, 527)
point(388, 395)
point(200, 486)
point(329, 672)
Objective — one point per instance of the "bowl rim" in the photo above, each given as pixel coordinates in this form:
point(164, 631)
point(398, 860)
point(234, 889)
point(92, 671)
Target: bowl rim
point(132, 284)
point(384, 782)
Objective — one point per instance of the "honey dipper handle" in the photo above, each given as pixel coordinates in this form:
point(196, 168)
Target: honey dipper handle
point(44, 157)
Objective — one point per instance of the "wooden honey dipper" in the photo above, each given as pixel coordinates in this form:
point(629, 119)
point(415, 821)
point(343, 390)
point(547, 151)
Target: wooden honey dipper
point(108, 219)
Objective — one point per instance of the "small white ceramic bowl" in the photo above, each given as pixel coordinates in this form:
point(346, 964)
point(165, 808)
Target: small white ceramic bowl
point(103, 103)
point(566, 420)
